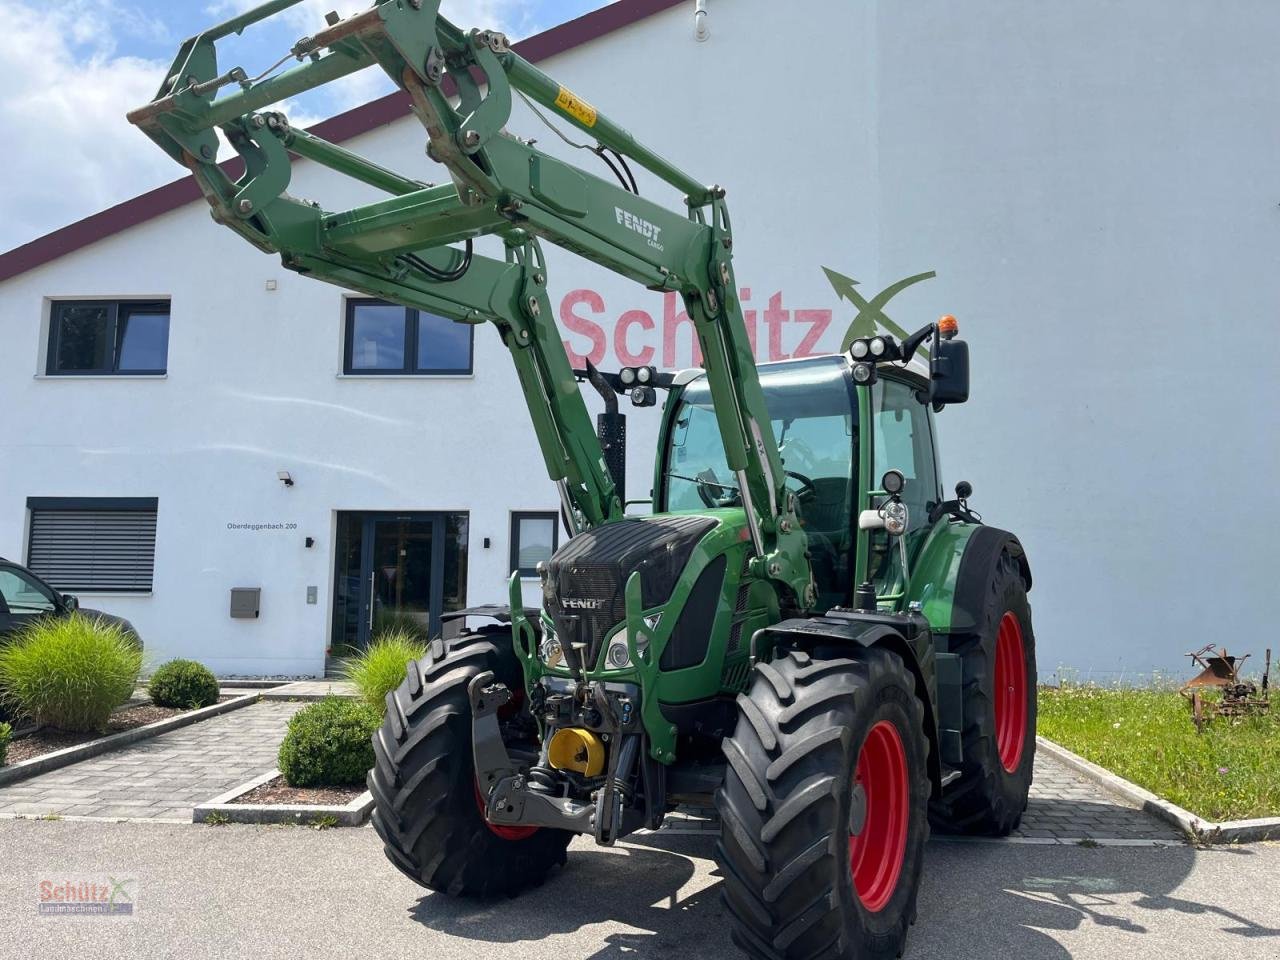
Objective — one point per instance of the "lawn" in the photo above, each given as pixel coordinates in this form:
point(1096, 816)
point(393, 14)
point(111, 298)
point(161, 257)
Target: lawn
point(1230, 772)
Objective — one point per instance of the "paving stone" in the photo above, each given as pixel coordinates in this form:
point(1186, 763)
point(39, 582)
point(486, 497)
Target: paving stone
point(162, 777)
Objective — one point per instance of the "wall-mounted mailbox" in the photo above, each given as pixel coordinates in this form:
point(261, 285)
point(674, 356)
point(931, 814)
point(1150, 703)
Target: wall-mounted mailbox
point(246, 603)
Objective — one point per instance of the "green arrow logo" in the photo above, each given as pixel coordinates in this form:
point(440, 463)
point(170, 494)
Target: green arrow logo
point(871, 316)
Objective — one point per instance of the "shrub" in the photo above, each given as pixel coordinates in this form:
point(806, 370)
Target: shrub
point(6, 732)
point(70, 672)
point(183, 683)
point(381, 668)
point(329, 743)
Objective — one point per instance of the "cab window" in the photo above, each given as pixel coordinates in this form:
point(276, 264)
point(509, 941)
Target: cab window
point(904, 441)
point(811, 410)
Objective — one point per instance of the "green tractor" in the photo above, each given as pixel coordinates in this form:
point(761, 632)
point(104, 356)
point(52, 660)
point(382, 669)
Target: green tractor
point(805, 631)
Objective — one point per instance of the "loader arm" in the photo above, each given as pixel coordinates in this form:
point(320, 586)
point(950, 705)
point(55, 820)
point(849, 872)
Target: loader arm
point(402, 248)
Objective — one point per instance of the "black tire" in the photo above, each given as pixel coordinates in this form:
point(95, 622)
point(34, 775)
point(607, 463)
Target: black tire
point(988, 799)
point(785, 807)
point(423, 780)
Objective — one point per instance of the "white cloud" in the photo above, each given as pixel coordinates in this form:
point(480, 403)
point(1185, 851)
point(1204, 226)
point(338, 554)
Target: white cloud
point(67, 88)
point(70, 150)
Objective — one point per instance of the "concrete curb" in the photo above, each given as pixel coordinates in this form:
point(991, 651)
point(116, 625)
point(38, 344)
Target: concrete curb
point(251, 684)
point(1196, 828)
point(352, 814)
point(25, 769)
point(308, 690)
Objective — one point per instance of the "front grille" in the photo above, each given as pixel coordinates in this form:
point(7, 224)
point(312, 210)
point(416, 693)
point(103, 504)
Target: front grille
point(595, 566)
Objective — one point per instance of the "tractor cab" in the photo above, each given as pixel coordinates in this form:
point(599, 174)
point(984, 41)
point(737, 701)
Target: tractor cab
point(820, 417)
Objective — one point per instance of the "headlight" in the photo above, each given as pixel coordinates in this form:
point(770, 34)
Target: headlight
point(617, 656)
point(858, 349)
point(878, 347)
point(644, 374)
point(627, 375)
point(895, 517)
point(551, 653)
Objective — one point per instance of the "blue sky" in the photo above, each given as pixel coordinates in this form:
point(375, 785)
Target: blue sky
point(70, 71)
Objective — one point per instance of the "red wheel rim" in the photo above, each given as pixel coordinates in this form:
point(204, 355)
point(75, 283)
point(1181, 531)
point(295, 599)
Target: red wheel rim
point(876, 852)
point(1010, 692)
point(498, 830)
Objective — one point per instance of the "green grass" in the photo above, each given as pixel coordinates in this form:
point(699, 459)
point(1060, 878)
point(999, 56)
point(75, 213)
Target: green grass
point(381, 668)
point(70, 672)
point(1230, 772)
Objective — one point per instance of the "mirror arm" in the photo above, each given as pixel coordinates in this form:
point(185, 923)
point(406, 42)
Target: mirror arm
point(912, 343)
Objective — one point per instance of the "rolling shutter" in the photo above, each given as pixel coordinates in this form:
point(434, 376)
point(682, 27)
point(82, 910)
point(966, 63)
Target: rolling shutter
point(102, 544)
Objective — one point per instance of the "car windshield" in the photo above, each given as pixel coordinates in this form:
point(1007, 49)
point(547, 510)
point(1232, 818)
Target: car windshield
point(812, 410)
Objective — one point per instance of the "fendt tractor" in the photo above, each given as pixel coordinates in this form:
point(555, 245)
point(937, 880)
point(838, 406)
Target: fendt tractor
point(804, 631)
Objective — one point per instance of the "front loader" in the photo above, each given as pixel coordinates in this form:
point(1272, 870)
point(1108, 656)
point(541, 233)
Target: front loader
point(805, 631)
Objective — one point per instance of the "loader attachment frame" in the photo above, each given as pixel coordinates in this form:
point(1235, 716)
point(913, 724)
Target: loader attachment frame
point(403, 248)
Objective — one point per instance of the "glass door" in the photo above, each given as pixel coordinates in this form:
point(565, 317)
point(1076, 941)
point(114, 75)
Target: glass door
point(404, 586)
point(396, 570)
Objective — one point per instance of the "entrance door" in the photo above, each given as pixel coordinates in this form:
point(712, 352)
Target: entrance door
point(396, 571)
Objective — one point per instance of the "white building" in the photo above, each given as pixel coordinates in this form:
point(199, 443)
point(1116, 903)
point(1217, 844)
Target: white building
point(1095, 184)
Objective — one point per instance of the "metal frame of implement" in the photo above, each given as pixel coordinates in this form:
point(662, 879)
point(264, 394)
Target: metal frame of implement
point(400, 248)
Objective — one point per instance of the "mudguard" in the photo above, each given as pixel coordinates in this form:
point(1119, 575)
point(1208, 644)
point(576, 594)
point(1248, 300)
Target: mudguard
point(907, 635)
point(950, 575)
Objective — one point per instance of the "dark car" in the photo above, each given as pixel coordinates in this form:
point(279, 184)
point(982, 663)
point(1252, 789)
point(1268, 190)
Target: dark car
point(24, 597)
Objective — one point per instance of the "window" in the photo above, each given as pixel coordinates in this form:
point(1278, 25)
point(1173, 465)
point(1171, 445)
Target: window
point(534, 538)
point(102, 544)
point(108, 337)
point(22, 594)
point(904, 441)
point(382, 338)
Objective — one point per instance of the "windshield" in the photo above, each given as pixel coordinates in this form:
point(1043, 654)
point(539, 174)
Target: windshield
point(812, 411)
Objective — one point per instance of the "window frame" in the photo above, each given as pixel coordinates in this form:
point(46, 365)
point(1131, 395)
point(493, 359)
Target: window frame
point(514, 538)
point(150, 505)
point(412, 325)
point(115, 308)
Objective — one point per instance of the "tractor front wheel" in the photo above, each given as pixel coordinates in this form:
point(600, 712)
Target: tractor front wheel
point(824, 808)
point(427, 807)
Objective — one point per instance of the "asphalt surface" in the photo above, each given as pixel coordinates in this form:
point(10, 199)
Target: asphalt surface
point(287, 892)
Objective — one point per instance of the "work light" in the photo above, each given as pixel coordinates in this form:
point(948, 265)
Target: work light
point(859, 349)
point(644, 374)
point(877, 346)
point(627, 375)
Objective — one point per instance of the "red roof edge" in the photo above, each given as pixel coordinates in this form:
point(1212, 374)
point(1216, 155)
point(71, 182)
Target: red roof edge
point(344, 126)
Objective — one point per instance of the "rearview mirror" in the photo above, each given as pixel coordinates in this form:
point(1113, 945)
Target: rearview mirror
point(70, 603)
point(948, 372)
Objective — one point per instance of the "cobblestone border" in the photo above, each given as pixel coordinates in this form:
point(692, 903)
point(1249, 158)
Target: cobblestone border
point(221, 810)
point(25, 769)
point(1197, 828)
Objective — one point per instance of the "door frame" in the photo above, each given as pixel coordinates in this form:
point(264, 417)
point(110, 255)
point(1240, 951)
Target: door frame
point(369, 519)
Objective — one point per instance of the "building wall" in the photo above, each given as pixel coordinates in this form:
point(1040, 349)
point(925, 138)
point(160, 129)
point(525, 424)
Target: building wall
point(1094, 186)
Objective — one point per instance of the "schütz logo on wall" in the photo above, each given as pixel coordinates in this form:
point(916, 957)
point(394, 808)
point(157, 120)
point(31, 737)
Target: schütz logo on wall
point(639, 225)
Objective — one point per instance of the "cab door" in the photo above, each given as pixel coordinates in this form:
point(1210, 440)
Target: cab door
point(903, 440)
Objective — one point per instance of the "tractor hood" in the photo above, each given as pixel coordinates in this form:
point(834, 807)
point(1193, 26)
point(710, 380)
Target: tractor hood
point(584, 581)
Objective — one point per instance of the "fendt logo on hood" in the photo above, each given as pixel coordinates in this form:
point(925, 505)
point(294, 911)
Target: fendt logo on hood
point(649, 231)
point(580, 603)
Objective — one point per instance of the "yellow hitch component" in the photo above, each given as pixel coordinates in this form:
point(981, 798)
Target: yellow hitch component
point(575, 749)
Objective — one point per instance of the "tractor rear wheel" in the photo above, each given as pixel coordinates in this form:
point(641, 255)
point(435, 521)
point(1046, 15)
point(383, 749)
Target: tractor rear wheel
point(427, 807)
point(823, 808)
point(999, 735)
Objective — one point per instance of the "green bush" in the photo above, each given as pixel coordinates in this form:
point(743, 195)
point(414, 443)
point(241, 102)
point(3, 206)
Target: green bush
point(70, 672)
point(6, 733)
point(329, 743)
point(379, 669)
point(183, 683)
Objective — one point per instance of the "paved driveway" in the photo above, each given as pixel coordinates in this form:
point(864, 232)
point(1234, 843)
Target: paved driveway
point(285, 892)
